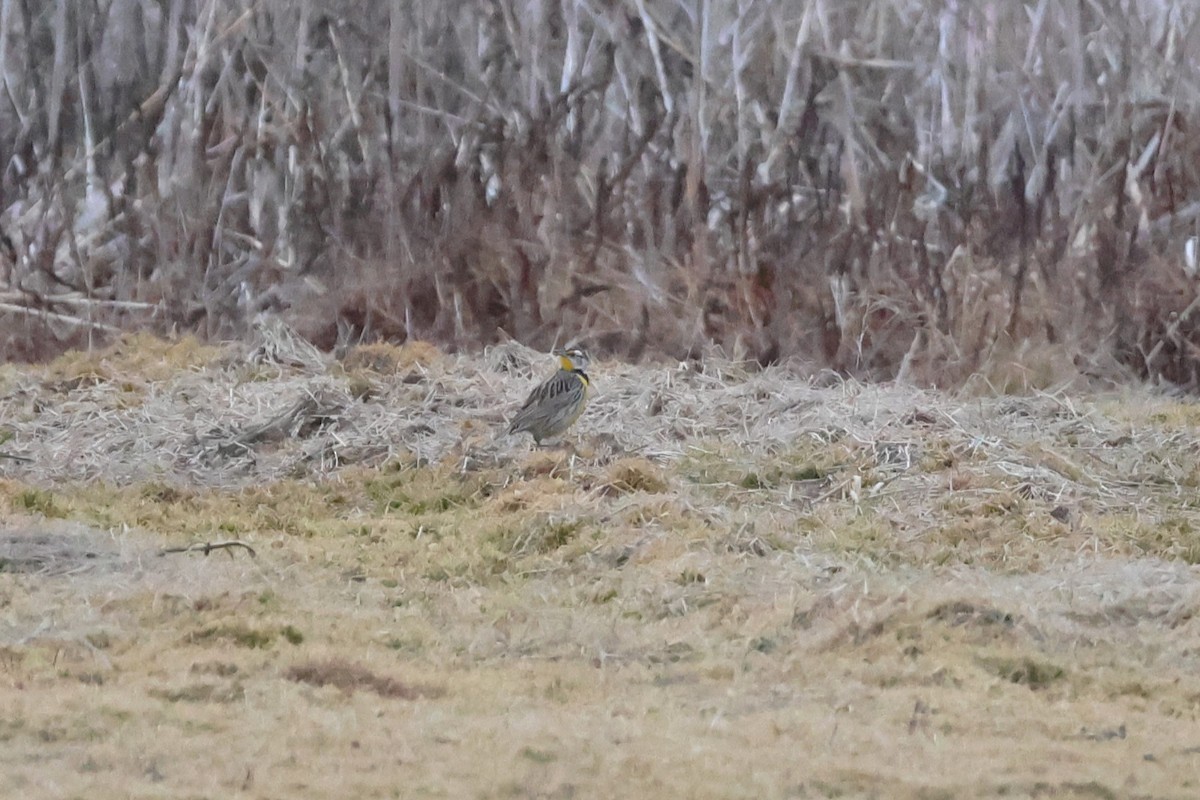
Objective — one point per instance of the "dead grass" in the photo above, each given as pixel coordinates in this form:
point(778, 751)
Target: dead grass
point(734, 583)
point(351, 677)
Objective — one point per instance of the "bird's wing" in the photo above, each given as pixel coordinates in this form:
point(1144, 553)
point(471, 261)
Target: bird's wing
point(559, 383)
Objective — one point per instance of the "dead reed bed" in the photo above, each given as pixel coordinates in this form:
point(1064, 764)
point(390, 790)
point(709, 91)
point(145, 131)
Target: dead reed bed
point(891, 188)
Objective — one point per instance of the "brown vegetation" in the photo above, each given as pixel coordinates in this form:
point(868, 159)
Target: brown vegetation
point(732, 583)
point(890, 188)
point(351, 677)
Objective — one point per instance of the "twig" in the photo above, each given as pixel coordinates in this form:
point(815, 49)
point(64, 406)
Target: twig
point(837, 487)
point(1171, 332)
point(310, 410)
point(208, 547)
point(79, 300)
point(76, 321)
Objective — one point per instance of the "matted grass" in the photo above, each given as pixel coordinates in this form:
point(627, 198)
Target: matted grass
point(732, 583)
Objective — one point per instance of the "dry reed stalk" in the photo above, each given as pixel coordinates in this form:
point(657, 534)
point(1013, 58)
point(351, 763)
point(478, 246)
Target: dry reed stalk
point(732, 173)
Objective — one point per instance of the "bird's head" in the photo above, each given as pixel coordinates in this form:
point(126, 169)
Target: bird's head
point(573, 358)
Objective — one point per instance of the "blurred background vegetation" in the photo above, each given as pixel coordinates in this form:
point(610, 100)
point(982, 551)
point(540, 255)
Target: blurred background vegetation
point(907, 189)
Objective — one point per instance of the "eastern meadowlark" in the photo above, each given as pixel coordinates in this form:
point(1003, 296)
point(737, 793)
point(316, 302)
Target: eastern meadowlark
point(554, 406)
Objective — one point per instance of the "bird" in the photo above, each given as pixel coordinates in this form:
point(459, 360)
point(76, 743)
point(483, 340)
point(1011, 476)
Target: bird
point(553, 406)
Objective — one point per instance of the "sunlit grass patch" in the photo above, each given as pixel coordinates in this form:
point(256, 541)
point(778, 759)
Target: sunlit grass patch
point(487, 550)
point(418, 491)
point(382, 358)
point(540, 536)
point(241, 634)
point(1052, 459)
point(807, 461)
point(134, 358)
point(1155, 411)
point(36, 501)
point(1025, 671)
point(635, 475)
point(666, 512)
point(1167, 535)
point(860, 533)
point(298, 508)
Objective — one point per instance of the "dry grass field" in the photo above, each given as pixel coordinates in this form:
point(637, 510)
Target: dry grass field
point(773, 559)
point(733, 583)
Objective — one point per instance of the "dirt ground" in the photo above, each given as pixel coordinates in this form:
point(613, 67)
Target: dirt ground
point(728, 583)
